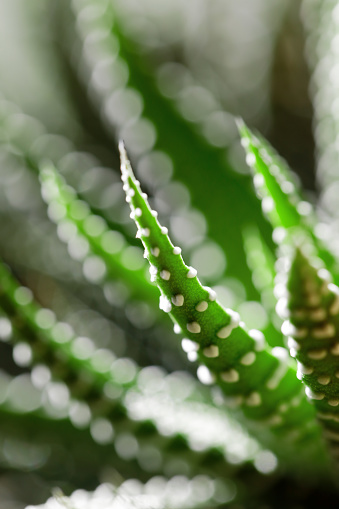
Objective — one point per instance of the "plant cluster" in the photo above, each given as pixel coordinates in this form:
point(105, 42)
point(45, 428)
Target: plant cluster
point(102, 397)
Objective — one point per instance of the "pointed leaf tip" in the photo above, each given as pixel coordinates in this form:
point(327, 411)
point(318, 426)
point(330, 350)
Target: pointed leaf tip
point(240, 123)
point(126, 169)
point(122, 149)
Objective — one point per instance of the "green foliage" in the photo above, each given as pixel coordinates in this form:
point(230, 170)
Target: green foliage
point(100, 390)
point(312, 306)
point(95, 241)
point(241, 362)
point(280, 194)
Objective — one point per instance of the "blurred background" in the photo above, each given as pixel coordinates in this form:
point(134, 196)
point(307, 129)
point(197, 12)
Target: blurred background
point(213, 60)
point(248, 54)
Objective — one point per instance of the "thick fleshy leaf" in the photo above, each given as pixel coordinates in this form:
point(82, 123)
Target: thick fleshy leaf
point(261, 262)
point(313, 337)
point(116, 390)
point(279, 190)
point(103, 252)
point(259, 379)
point(154, 130)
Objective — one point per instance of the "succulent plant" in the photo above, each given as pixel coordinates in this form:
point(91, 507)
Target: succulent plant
point(232, 399)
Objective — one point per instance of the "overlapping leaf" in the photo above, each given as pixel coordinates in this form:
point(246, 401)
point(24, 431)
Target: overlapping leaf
point(258, 379)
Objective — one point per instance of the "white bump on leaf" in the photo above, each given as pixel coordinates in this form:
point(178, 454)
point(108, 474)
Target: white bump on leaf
point(165, 274)
point(165, 304)
point(155, 251)
point(334, 309)
point(304, 370)
point(202, 306)
point(153, 272)
point(254, 399)
point(211, 293)
point(178, 300)
point(325, 332)
point(230, 376)
point(317, 354)
point(235, 317)
point(324, 380)
point(191, 273)
point(211, 351)
point(193, 327)
point(314, 395)
point(145, 232)
point(189, 346)
point(248, 359)
point(192, 356)
point(205, 376)
point(291, 343)
point(335, 349)
point(224, 332)
point(259, 339)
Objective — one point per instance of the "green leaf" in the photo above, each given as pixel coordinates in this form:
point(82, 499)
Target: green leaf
point(103, 252)
point(116, 389)
point(258, 378)
point(312, 305)
point(280, 193)
point(204, 169)
point(42, 436)
point(261, 262)
point(275, 184)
